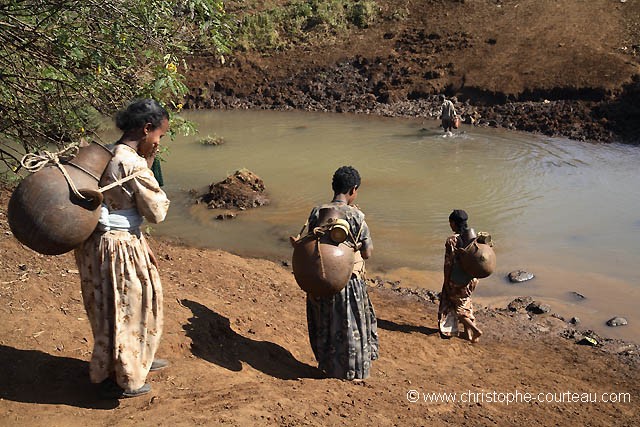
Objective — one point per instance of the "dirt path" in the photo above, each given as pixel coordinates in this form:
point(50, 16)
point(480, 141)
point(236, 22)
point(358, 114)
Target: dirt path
point(235, 333)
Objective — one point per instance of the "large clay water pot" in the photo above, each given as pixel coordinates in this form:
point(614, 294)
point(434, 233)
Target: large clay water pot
point(478, 259)
point(45, 214)
point(322, 267)
point(322, 260)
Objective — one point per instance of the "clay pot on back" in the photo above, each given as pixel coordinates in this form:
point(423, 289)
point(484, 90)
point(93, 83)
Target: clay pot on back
point(322, 267)
point(478, 259)
point(45, 215)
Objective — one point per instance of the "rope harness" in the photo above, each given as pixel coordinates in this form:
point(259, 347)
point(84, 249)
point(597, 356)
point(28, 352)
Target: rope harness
point(33, 162)
point(320, 231)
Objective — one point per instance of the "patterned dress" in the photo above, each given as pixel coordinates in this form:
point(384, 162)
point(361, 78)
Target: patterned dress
point(343, 328)
point(455, 298)
point(121, 288)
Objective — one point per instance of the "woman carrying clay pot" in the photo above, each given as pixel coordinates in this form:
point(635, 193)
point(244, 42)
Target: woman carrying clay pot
point(343, 327)
point(121, 286)
point(455, 298)
point(447, 113)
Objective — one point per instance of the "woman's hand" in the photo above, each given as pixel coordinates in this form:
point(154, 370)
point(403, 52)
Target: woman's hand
point(151, 157)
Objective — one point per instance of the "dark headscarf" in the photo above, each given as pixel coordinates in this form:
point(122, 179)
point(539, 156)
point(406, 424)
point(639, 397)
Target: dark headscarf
point(459, 217)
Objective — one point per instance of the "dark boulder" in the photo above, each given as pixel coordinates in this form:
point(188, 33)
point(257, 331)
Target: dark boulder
point(240, 191)
point(519, 303)
point(538, 308)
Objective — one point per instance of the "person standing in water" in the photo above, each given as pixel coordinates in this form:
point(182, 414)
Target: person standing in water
point(455, 298)
point(447, 113)
point(343, 327)
point(121, 286)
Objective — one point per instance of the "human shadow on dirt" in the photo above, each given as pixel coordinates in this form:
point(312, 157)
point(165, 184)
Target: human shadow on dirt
point(214, 340)
point(32, 376)
point(407, 329)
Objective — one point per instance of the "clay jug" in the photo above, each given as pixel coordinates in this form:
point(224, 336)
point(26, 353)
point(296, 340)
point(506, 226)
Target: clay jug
point(321, 265)
point(45, 215)
point(456, 122)
point(478, 259)
point(467, 236)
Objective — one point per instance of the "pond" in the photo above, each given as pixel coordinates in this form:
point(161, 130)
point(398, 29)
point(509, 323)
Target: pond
point(567, 211)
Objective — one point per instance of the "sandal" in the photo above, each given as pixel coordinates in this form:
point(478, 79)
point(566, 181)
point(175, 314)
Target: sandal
point(109, 389)
point(158, 364)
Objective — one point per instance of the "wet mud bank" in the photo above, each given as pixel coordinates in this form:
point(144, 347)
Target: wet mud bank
point(522, 315)
point(356, 86)
point(525, 65)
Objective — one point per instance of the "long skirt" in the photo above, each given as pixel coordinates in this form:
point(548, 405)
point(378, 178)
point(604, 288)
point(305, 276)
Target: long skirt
point(122, 295)
point(343, 331)
point(455, 304)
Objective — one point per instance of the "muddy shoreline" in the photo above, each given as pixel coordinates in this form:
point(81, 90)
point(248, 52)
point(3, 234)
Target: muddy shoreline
point(347, 88)
point(522, 65)
point(522, 317)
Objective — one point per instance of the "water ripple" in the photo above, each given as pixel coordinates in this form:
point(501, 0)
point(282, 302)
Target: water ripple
point(509, 183)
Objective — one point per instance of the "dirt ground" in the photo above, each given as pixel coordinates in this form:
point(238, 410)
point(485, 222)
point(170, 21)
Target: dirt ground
point(567, 68)
point(235, 328)
point(235, 333)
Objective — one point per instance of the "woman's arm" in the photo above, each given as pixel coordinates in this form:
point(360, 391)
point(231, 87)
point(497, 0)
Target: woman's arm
point(151, 201)
point(448, 260)
point(365, 243)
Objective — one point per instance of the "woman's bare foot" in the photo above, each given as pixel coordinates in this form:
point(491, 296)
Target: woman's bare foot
point(467, 333)
point(471, 331)
point(477, 333)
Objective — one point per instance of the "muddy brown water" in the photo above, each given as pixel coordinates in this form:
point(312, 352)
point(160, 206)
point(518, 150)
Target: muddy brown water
point(567, 211)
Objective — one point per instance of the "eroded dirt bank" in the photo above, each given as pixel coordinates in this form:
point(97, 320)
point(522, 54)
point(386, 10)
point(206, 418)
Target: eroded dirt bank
point(537, 66)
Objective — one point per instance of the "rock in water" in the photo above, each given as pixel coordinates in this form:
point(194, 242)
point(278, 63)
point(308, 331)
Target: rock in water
point(240, 191)
point(577, 296)
point(520, 276)
point(226, 215)
point(617, 321)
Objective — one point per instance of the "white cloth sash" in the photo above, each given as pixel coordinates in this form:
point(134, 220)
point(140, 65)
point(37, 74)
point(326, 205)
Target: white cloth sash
point(124, 219)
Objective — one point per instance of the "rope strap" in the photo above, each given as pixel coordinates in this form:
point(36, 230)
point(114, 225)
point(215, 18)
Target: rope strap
point(121, 181)
point(320, 230)
point(33, 162)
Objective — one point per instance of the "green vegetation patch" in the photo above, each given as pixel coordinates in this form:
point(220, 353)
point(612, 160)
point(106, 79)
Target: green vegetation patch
point(301, 20)
point(212, 140)
point(66, 64)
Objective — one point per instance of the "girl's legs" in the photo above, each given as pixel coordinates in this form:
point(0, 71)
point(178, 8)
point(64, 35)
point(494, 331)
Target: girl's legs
point(471, 330)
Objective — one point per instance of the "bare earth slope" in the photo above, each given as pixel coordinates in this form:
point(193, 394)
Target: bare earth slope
point(505, 59)
point(235, 329)
point(235, 333)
